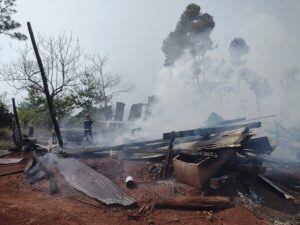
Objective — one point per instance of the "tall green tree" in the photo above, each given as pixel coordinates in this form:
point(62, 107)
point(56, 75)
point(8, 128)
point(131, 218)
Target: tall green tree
point(34, 110)
point(192, 35)
point(7, 24)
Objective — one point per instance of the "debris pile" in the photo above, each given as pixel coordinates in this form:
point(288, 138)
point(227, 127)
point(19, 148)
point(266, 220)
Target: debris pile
point(220, 162)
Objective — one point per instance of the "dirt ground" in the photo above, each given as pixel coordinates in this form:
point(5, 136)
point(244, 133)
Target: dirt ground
point(22, 203)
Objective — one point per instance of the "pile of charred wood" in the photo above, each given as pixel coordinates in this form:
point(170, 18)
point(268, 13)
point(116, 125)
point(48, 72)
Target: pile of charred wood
point(209, 156)
point(206, 158)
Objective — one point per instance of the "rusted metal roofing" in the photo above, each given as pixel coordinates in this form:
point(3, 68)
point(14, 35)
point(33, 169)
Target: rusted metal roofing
point(92, 183)
point(229, 139)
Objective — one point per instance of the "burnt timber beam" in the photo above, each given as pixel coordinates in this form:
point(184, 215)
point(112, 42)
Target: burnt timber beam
point(195, 202)
point(277, 189)
point(225, 122)
point(209, 130)
point(135, 146)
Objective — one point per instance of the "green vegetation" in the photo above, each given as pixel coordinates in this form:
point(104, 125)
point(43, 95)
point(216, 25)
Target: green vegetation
point(6, 141)
point(7, 24)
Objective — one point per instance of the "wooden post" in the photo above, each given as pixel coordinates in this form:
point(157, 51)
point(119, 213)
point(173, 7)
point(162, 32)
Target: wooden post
point(119, 113)
point(169, 157)
point(19, 137)
point(46, 89)
point(31, 131)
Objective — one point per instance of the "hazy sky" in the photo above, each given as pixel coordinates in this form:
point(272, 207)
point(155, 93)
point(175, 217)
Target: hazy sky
point(131, 32)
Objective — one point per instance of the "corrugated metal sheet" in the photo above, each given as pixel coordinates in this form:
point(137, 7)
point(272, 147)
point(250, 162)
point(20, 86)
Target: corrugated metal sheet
point(229, 139)
point(92, 183)
point(10, 160)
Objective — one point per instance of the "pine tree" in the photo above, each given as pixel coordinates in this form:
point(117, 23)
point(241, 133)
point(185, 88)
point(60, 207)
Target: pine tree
point(7, 24)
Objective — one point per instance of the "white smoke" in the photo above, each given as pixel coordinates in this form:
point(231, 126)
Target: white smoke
point(273, 50)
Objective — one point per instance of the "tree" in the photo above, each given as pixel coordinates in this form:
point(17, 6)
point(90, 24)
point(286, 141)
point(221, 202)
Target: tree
point(192, 35)
point(33, 110)
point(238, 48)
point(258, 85)
point(290, 79)
point(6, 117)
point(62, 61)
point(7, 24)
point(98, 87)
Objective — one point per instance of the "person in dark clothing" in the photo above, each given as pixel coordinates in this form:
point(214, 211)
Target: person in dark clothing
point(87, 124)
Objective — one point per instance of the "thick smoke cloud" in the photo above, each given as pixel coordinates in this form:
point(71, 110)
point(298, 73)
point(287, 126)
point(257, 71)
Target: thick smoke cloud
point(194, 83)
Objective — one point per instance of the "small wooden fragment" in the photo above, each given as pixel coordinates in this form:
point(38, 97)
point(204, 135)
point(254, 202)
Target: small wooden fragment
point(218, 182)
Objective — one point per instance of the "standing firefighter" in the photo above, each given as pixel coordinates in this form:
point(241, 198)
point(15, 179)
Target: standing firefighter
point(88, 135)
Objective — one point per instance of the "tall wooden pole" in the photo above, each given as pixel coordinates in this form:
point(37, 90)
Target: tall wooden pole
point(46, 89)
point(19, 137)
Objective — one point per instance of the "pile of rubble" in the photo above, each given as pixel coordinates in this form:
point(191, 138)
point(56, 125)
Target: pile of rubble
point(223, 157)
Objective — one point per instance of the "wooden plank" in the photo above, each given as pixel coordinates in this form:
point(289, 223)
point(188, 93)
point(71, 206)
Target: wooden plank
point(210, 130)
point(168, 159)
point(12, 168)
point(271, 184)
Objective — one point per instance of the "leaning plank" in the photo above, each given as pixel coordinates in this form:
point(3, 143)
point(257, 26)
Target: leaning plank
point(195, 202)
point(281, 192)
point(91, 183)
point(10, 160)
